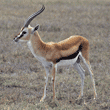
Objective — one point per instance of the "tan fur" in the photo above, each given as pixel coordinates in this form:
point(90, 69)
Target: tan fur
point(52, 51)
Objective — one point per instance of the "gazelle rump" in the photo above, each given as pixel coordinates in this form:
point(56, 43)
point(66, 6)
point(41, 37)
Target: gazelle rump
point(63, 53)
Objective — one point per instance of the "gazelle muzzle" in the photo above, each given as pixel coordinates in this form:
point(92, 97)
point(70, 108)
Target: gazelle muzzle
point(16, 39)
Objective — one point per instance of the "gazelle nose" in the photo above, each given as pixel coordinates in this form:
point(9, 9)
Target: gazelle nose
point(15, 39)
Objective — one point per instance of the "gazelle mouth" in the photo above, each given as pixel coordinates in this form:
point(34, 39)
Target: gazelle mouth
point(16, 39)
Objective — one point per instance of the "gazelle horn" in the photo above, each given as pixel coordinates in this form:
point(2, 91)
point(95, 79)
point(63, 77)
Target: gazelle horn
point(30, 18)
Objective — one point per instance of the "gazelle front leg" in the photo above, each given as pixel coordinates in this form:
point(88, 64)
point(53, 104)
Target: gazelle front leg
point(54, 69)
point(45, 85)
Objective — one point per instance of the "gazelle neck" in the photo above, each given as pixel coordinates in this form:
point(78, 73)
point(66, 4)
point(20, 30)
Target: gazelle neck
point(37, 45)
point(36, 37)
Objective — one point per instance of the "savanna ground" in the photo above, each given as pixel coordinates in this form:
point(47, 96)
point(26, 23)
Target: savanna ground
point(22, 76)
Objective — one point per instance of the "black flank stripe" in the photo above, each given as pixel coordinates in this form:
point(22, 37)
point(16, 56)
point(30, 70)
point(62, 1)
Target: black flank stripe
point(70, 56)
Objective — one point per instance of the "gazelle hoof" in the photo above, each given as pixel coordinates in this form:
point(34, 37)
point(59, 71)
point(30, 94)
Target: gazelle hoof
point(42, 100)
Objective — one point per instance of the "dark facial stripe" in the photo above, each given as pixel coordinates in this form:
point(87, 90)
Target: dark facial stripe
point(21, 35)
point(17, 38)
point(70, 56)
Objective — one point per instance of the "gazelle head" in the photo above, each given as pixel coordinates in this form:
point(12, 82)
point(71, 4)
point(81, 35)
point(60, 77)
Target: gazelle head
point(27, 30)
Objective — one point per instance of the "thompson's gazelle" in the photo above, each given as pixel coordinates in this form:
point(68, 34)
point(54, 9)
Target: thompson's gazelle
point(67, 52)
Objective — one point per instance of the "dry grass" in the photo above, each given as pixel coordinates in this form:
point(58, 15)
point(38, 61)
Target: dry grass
point(22, 76)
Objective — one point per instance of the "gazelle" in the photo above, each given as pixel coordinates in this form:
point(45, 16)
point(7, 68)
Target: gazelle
point(63, 53)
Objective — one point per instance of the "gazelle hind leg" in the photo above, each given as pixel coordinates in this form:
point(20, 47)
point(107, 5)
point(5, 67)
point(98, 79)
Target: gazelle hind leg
point(82, 75)
point(45, 85)
point(78, 61)
point(91, 73)
point(82, 69)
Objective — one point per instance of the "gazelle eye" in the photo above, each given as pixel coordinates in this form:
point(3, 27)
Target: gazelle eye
point(24, 32)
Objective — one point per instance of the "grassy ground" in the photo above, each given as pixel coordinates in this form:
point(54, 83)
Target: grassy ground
point(22, 76)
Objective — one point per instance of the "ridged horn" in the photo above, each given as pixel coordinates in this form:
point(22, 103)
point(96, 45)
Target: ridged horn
point(30, 18)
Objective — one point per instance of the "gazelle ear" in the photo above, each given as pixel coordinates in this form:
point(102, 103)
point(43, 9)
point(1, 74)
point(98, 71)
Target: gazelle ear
point(35, 29)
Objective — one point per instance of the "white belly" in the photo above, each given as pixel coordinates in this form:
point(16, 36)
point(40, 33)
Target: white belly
point(67, 62)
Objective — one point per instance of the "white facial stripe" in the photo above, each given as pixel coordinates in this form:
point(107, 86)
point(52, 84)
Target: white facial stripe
point(23, 33)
